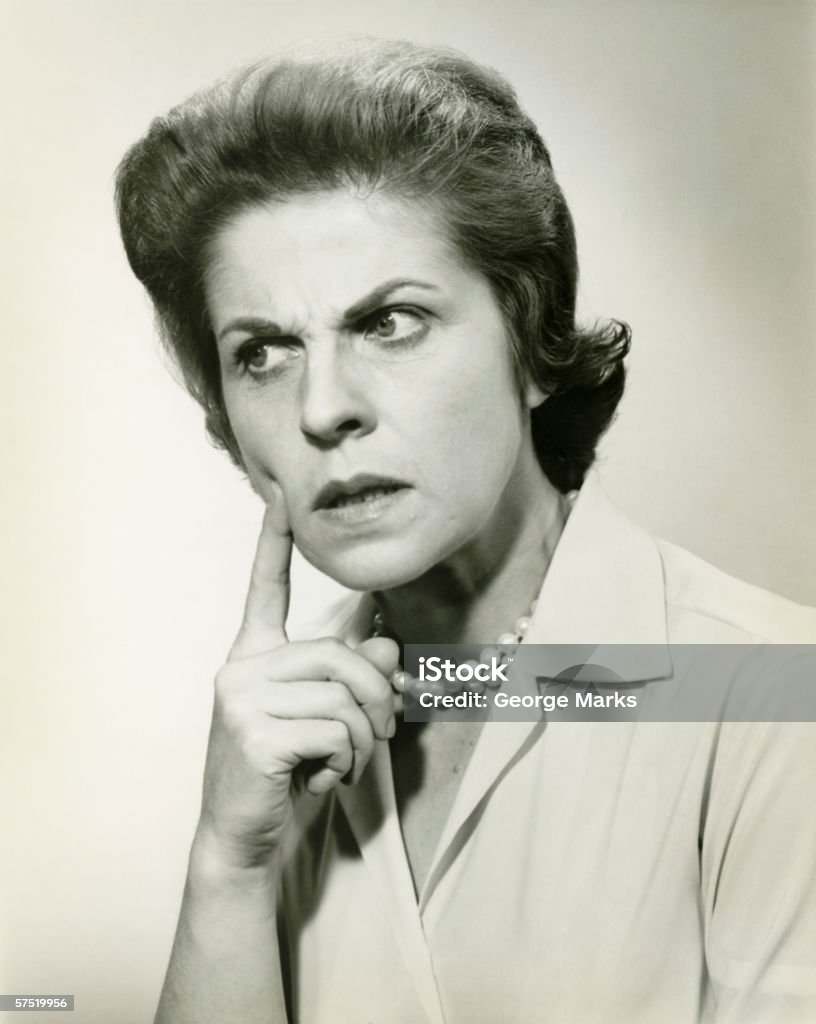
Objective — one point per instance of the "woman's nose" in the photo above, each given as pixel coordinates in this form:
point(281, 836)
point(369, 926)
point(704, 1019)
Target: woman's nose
point(335, 401)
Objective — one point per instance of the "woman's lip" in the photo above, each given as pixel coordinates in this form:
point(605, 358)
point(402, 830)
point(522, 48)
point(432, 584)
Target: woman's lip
point(336, 490)
point(366, 506)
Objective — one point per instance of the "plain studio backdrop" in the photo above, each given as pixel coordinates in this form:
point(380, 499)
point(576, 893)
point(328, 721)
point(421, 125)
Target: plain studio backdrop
point(683, 136)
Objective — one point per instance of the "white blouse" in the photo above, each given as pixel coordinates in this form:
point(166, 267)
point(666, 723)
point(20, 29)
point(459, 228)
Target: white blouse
point(589, 871)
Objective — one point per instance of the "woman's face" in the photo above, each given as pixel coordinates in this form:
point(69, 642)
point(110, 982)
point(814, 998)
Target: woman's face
point(366, 369)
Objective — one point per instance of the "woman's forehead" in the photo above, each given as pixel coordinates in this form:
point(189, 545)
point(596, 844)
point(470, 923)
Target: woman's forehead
point(333, 220)
point(332, 244)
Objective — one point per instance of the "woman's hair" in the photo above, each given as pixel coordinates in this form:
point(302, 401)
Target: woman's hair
point(427, 125)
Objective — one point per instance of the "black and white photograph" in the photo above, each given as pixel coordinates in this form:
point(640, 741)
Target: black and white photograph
point(409, 484)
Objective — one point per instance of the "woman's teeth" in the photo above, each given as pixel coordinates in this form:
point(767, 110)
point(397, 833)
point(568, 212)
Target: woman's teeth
point(370, 494)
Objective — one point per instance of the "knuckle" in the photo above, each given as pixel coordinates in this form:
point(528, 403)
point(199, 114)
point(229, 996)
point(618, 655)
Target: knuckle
point(381, 700)
point(340, 697)
point(383, 696)
point(331, 646)
point(255, 748)
point(337, 733)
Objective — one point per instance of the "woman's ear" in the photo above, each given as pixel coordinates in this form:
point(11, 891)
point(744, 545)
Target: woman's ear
point(534, 396)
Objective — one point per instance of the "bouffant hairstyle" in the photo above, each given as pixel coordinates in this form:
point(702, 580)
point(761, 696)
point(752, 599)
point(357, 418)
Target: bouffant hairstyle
point(423, 124)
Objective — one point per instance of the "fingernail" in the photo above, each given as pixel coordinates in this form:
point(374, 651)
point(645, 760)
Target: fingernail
point(391, 728)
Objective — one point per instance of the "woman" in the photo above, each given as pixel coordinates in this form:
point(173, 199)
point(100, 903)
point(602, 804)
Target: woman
point(367, 272)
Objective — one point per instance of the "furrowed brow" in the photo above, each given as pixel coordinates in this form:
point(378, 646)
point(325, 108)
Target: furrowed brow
point(380, 295)
point(368, 304)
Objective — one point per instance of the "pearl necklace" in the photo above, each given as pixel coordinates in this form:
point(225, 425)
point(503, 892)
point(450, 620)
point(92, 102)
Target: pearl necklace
point(404, 683)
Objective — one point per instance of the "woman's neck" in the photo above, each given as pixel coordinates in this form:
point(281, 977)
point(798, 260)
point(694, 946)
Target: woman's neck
point(481, 590)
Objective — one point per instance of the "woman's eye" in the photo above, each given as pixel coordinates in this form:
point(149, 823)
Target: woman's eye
point(258, 357)
point(395, 325)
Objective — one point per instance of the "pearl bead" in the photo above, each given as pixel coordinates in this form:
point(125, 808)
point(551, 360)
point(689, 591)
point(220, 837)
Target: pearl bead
point(522, 625)
point(508, 640)
point(400, 680)
point(488, 654)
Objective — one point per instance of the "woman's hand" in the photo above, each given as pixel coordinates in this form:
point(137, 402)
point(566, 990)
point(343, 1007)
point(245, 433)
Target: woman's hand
point(316, 707)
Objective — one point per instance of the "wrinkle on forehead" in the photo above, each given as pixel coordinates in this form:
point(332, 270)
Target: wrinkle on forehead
point(305, 243)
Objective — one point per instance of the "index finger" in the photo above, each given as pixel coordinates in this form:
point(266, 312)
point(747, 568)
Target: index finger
point(264, 624)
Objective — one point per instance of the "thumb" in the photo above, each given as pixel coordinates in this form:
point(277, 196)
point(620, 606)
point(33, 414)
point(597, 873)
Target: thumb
point(383, 653)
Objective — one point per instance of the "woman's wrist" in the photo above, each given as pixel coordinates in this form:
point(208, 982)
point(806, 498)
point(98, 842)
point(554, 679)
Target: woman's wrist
point(223, 866)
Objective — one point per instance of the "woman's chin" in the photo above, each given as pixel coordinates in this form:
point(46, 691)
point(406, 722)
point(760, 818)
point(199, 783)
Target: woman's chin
point(367, 570)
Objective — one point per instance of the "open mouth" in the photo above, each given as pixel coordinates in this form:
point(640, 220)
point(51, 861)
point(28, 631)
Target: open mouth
point(364, 491)
point(370, 494)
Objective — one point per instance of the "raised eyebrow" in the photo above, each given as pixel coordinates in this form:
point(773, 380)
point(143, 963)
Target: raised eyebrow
point(250, 324)
point(380, 295)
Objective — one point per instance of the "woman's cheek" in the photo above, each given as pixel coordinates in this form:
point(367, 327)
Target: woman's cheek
point(259, 479)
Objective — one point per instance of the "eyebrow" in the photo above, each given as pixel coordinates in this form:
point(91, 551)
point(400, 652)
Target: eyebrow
point(368, 304)
point(250, 324)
